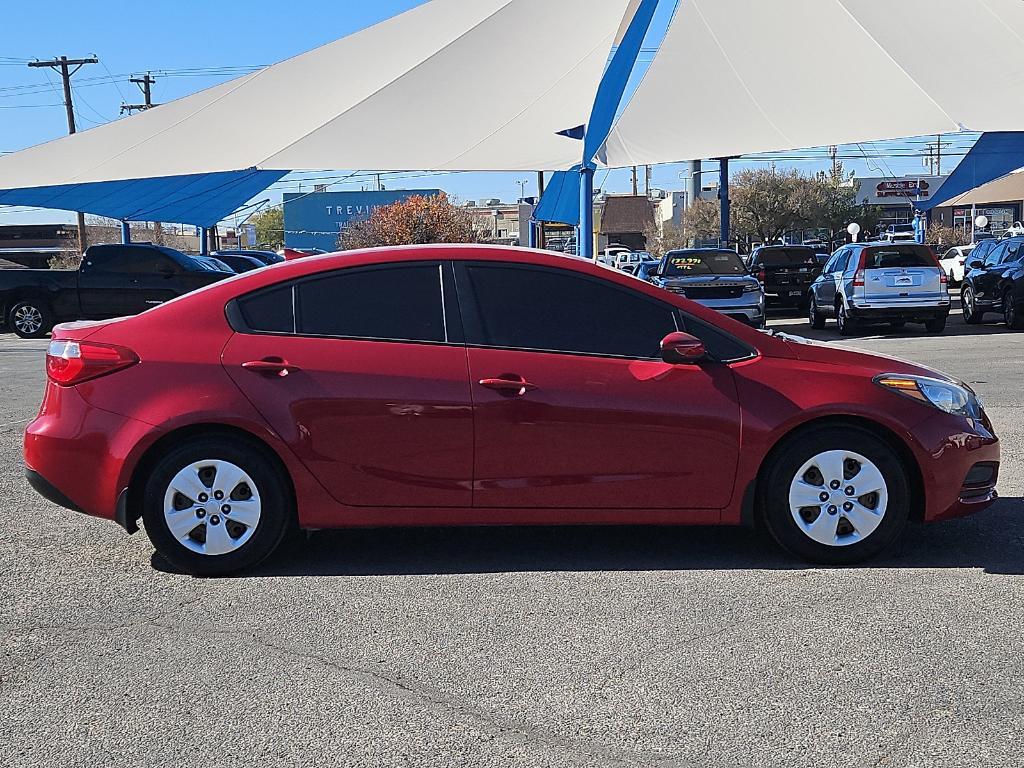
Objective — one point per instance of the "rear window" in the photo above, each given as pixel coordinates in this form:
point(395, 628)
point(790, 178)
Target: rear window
point(898, 257)
point(778, 257)
point(686, 263)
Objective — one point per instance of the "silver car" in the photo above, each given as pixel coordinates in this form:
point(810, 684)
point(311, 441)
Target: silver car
point(716, 278)
point(892, 283)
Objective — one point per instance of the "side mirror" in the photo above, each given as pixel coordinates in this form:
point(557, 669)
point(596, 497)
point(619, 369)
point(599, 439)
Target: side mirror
point(682, 349)
point(974, 263)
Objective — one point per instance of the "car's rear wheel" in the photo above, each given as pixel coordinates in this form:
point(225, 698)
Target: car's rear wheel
point(215, 506)
point(938, 325)
point(835, 495)
point(1011, 313)
point(814, 315)
point(972, 315)
point(30, 319)
point(847, 325)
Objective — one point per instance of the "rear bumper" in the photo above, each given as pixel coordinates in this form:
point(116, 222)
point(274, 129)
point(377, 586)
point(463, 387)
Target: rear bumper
point(75, 454)
point(883, 312)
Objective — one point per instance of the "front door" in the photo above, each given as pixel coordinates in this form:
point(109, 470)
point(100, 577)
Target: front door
point(366, 382)
point(574, 408)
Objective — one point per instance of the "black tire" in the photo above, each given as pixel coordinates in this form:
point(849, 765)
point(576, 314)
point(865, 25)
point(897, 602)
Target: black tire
point(847, 325)
point(972, 315)
point(814, 316)
point(277, 515)
point(938, 325)
point(898, 325)
point(773, 494)
point(1011, 314)
point(30, 319)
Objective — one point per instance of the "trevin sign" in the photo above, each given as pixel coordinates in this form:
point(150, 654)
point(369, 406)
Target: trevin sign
point(314, 220)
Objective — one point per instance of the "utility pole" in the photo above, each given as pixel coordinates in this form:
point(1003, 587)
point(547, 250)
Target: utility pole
point(833, 152)
point(647, 180)
point(636, 189)
point(146, 86)
point(64, 65)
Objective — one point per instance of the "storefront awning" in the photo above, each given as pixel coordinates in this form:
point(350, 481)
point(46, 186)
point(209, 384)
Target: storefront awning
point(994, 156)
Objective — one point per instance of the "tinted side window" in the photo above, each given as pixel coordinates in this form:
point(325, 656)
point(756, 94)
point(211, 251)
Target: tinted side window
point(547, 309)
point(842, 260)
point(270, 311)
point(394, 303)
point(120, 260)
point(1012, 252)
point(720, 345)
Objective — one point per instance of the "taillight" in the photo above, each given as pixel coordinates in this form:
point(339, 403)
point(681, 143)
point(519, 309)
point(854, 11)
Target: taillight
point(71, 362)
point(762, 275)
point(943, 277)
point(860, 274)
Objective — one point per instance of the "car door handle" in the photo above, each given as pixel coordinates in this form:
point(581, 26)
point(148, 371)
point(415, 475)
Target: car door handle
point(271, 367)
point(514, 386)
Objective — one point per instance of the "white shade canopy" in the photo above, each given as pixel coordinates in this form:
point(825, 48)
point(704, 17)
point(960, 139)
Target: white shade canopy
point(448, 85)
point(742, 76)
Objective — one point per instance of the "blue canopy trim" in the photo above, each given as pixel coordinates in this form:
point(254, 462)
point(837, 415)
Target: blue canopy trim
point(993, 156)
point(561, 200)
point(616, 78)
point(201, 199)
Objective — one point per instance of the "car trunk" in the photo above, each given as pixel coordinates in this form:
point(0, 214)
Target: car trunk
point(899, 274)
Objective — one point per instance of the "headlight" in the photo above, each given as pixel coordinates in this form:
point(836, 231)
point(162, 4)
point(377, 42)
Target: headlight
point(944, 395)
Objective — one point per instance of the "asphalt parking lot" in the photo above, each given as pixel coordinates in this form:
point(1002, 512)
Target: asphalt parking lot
point(530, 647)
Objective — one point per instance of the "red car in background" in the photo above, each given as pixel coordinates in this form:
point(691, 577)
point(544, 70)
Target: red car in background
point(471, 385)
point(290, 254)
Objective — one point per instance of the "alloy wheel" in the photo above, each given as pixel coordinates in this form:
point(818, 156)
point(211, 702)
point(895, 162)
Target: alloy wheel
point(838, 498)
point(28, 319)
point(212, 507)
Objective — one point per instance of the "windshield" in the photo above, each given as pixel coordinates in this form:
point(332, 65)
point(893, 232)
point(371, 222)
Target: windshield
point(777, 257)
point(687, 263)
point(899, 256)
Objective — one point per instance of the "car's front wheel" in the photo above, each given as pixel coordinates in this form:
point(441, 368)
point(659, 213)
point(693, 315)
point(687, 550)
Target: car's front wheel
point(972, 315)
point(216, 506)
point(814, 315)
point(835, 495)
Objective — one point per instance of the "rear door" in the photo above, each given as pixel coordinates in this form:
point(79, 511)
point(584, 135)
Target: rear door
point(901, 274)
point(986, 277)
point(374, 398)
point(825, 286)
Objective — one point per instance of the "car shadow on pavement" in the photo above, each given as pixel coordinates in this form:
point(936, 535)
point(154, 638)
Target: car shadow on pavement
point(992, 541)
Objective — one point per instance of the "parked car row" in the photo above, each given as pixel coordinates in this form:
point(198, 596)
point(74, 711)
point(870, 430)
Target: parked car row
point(113, 281)
point(994, 283)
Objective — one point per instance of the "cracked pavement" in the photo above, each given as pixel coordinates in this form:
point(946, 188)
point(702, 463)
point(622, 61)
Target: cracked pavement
point(531, 647)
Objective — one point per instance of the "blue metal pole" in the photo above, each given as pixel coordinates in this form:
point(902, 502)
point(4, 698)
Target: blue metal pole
point(532, 233)
point(586, 236)
point(126, 232)
point(204, 248)
point(723, 195)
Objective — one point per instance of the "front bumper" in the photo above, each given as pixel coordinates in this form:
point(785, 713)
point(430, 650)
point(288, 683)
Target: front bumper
point(749, 312)
point(959, 466)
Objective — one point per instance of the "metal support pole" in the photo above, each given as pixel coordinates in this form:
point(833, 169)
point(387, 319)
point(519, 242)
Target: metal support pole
point(586, 237)
point(723, 195)
point(532, 233)
point(126, 232)
point(540, 224)
point(204, 248)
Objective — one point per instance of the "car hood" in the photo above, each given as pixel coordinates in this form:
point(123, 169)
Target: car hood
point(870, 363)
point(711, 280)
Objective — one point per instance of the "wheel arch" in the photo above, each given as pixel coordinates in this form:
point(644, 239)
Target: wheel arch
point(753, 496)
point(161, 447)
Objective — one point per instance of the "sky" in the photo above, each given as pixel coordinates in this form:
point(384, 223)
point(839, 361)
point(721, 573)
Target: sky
point(190, 45)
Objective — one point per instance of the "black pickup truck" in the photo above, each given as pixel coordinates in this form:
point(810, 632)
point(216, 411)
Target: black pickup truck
point(785, 271)
point(112, 281)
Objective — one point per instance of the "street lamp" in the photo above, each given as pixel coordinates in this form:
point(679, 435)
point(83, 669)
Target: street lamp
point(854, 230)
point(522, 189)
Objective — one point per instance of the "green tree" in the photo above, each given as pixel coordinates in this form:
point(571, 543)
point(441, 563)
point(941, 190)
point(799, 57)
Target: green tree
point(270, 228)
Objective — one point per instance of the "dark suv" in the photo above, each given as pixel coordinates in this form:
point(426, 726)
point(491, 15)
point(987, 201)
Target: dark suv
point(995, 283)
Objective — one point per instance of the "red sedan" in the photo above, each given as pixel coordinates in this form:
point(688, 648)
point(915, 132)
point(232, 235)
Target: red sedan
point(468, 385)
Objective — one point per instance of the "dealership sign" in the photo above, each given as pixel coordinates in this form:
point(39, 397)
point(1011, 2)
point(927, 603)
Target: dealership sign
point(316, 219)
point(904, 188)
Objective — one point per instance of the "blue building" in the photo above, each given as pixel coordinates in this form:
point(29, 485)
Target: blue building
point(316, 220)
